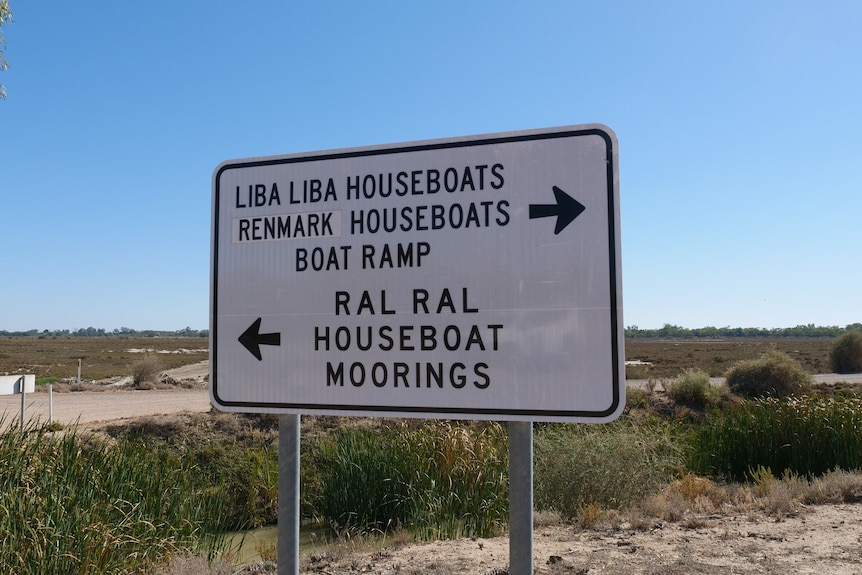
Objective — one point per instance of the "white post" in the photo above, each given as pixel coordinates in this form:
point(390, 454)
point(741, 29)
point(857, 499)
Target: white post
point(22, 382)
point(50, 403)
point(79, 375)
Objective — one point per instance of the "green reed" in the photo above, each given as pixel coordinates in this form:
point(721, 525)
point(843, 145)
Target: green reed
point(612, 466)
point(75, 506)
point(438, 480)
point(805, 435)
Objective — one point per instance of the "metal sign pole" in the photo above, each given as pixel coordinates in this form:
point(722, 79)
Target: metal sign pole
point(520, 498)
point(288, 495)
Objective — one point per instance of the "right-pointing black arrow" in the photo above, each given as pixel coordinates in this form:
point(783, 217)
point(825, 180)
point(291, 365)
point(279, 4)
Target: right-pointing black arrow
point(252, 339)
point(566, 209)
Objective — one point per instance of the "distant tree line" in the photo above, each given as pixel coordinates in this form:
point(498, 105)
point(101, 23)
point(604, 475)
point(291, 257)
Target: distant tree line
point(99, 332)
point(669, 331)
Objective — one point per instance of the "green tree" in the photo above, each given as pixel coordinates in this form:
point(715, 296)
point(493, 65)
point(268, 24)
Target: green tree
point(5, 18)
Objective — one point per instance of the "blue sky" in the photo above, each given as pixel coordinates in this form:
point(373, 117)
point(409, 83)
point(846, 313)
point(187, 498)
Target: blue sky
point(738, 122)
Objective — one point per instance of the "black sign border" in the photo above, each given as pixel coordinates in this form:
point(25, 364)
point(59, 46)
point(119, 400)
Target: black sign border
point(441, 412)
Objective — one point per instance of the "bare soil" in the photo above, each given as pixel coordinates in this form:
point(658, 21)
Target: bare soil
point(112, 401)
point(818, 539)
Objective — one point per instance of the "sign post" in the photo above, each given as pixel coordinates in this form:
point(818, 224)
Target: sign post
point(467, 278)
point(520, 498)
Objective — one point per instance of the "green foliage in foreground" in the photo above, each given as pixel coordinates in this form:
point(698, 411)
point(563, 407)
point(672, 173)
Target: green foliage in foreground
point(241, 473)
point(440, 480)
point(71, 506)
point(613, 466)
point(808, 436)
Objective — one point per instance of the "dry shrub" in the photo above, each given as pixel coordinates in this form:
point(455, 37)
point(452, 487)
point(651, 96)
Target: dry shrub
point(778, 497)
point(692, 386)
point(146, 372)
point(837, 486)
point(589, 515)
point(546, 518)
point(668, 505)
point(267, 551)
point(690, 498)
point(705, 495)
point(688, 494)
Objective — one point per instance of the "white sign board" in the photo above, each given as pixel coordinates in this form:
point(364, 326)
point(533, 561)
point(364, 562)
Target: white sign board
point(468, 278)
point(14, 384)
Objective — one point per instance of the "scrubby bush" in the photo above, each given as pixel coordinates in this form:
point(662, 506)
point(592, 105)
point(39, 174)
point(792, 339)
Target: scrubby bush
point(146, 372)
point(774, 374)
point(693, 387)
point(845, 355)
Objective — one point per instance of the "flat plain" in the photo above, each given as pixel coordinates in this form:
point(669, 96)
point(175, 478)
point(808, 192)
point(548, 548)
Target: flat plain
point(107, 357)
point(101, 357)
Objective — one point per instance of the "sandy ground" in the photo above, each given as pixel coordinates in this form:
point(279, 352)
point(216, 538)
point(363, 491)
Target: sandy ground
point(91, 408)
point(819, 539)
point(112, 402)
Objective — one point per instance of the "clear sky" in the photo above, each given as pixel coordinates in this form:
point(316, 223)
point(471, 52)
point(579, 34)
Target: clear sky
point(739, 126)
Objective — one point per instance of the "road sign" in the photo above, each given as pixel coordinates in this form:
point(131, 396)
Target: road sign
point(469, 278)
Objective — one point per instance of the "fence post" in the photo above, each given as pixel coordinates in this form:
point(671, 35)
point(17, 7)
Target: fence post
point(22, 382)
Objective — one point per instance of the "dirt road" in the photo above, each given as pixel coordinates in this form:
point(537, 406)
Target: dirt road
point(93, 407)
point(113, 402)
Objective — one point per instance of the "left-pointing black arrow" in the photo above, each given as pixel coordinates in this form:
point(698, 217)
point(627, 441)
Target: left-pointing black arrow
point(252, 339)
point(566, 209)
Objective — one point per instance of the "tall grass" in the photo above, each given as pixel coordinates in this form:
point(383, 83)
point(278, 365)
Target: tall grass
point(440, 480)
point(77, 507)
point(245, 478)
point(604, 466)
point(234, 455)
point(459, 479)
point(805, 435)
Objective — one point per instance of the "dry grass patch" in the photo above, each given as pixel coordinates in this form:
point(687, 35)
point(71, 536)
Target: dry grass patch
point(693, 498)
